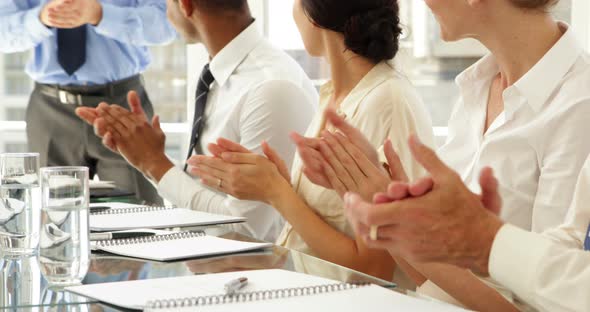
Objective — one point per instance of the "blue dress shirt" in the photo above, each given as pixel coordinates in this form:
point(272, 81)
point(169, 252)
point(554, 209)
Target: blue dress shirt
point(116, 48)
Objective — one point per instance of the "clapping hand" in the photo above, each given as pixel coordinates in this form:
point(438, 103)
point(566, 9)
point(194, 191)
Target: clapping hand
point(71, 13)
point(346, 161)
point(445, 222)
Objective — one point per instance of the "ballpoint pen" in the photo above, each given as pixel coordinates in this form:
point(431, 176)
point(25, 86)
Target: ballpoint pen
point(98, 209)
point(119, 235)
point(234, 285)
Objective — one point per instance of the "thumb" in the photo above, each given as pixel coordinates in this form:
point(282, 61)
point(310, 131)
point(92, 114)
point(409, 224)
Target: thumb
point(156, 124)
point(272, 155)
point(135, 103)
point(490, 195)
point(427, 158)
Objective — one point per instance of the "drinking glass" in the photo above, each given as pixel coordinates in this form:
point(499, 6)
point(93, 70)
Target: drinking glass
point(19, 204)
point(20, 282)
point(64, 249)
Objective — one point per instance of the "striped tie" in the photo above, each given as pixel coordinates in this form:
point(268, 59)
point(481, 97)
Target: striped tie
point(205, 81)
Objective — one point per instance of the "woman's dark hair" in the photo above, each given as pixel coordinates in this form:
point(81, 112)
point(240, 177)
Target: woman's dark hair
point(371, 28)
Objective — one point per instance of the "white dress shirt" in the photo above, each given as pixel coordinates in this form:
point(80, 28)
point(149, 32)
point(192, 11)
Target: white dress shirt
point(259, 94)
point(537, 145)
point(549, 271)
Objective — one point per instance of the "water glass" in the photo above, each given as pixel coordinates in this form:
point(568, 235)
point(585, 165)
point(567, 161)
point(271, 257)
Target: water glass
point(20, 282)
point(19, 204)
point(64, 249)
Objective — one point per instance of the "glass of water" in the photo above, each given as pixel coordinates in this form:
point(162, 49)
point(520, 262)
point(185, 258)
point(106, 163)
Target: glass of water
point(19, 204)
point(64, 248)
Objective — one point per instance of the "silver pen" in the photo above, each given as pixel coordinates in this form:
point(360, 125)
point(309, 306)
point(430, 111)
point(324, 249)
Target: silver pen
point(119, 235)
point(234, 285)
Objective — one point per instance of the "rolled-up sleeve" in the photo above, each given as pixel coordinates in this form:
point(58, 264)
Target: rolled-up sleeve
point(145, 24)
point(543, 273)
point(20, 28)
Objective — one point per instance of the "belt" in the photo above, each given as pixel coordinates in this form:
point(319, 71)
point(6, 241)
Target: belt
point(74, 95)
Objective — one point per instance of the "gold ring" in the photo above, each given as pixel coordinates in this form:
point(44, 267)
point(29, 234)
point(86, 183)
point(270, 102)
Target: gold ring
point(374, 232)
point(219, 183)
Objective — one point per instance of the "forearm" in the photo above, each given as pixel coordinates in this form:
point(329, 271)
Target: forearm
point(184, 191)
point(155, 168)
point(465, 287)
point(21, 31)
point(142, 26)
point(329, 243)
point(410, 271)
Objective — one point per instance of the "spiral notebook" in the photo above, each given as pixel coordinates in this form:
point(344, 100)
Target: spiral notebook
point(176, 246)
point(267, 290)
point(130, 217)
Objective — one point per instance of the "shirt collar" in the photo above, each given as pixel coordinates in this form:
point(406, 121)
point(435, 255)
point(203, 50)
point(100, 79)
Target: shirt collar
point(538, 84)
point(224, 64)
point(372, 79)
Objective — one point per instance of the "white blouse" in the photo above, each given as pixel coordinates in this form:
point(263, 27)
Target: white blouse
point(537, 148)
point(538, 145)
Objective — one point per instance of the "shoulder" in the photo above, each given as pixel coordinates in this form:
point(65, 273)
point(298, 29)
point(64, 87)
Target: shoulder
point(570, 101)
point(267, 71)
point(396, 97)
point(273, 63)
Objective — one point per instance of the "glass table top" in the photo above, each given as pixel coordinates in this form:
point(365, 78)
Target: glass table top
point(23, 288)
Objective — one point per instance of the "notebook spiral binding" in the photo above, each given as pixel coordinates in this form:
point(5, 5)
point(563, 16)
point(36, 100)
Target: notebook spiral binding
point(149, 239)
point(249, 296)
point(132, 210)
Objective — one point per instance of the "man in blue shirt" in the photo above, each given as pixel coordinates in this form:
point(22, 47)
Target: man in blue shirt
point(84, 52)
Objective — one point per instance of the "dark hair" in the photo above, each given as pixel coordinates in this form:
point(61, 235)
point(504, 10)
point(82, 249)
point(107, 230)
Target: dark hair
point(534, 4)
point(222, 5)
point(371, 28)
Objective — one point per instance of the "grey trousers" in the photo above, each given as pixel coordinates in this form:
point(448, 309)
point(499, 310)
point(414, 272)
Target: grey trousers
point(62, 139)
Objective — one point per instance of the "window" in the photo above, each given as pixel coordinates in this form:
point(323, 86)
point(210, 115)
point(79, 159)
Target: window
point(282, 31)
point(165, 81)
point(428, 62)
point(172, 96)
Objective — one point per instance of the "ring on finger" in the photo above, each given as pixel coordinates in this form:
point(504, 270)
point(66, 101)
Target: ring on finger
point(374, 232)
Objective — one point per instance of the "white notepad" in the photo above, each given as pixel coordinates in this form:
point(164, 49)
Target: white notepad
point(130, 217)
point(101, 185)
point(176, 246)
point(276, 289)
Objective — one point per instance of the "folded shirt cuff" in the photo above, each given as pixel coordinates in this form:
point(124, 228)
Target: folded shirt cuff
point(113, 18)
point(170, 183)
point(34, 24)
point(515, 257)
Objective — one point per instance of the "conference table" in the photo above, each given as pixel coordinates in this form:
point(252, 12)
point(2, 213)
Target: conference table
point(23, 288)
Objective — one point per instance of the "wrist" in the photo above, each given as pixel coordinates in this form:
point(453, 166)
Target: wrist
point(156, 169)
point(488, 230)
point(278, 192)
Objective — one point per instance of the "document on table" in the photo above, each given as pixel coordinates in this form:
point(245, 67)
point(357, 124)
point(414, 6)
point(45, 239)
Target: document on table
point(266, 290)
point(128, 217)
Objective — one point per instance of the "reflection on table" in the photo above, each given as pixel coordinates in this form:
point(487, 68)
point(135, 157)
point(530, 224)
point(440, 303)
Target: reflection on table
point(22, 285)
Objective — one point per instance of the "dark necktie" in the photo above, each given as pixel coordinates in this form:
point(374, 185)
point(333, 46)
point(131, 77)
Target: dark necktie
point(71, 48)
point(205, 81)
